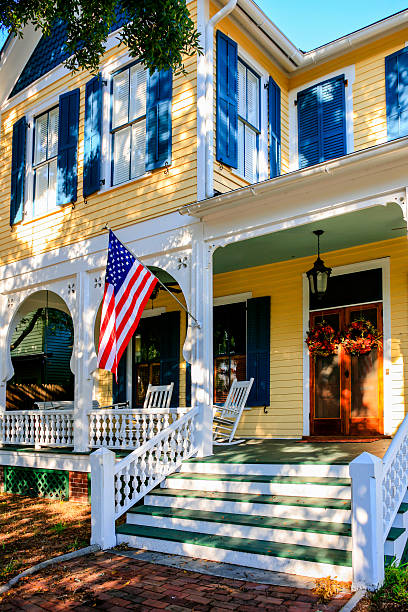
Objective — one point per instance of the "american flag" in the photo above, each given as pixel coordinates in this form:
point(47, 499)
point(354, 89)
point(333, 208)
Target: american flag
point(128, 286)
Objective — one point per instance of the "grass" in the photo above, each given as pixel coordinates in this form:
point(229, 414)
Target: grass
point(33, 530)
point(392, 596)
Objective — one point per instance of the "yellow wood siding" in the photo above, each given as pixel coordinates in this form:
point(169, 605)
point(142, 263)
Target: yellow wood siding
point(283, 282)
point(225, 178)
point(369, 109)
point(144, 198)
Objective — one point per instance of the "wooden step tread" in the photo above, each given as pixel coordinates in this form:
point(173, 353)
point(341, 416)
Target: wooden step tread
point(267, 522)
point(332, 481)
point(245, 545)
point(285, 500)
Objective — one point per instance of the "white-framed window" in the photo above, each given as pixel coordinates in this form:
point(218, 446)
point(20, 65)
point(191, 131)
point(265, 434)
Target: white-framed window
point(45, 151)
point(249, 115)
point(128, 123)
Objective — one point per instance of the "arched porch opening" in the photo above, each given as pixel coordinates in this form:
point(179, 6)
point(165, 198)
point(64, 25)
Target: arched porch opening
point(40, 344)
point(154, 354)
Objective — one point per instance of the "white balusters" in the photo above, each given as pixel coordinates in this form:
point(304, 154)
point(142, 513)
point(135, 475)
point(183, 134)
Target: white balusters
point(37, 427)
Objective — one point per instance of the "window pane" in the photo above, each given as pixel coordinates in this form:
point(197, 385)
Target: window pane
point(241, 90)
point(120, 98)
point(138, 78)
point(52, 184)
point(241, 148)
point(53, 133)
point(41, 188)
point(121, 156)
point(138, 149)
point(40, 146)
point(253, 99)
point(250, 154)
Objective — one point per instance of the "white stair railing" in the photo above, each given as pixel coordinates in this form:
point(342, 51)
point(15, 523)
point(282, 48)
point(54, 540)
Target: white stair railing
point(128, 429)
point(378, 488)
point(117, 486)
point(37, 427)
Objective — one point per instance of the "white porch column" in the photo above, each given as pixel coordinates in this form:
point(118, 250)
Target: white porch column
point(202, 349)
point(83, 341)
point(367, 522)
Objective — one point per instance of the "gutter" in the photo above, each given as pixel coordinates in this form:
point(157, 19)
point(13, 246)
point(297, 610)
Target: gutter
point(293, 59)
point(199, 209)
point(209, 95)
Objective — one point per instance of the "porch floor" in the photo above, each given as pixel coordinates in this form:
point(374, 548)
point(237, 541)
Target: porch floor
point(295, 451)
point(260, 451)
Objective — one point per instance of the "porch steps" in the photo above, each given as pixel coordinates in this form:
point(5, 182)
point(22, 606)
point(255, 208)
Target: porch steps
point(296, 523)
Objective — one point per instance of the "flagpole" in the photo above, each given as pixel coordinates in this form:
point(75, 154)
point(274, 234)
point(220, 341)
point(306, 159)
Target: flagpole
point(197, 324)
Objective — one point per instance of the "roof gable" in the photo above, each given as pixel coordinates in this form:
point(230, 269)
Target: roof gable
point(49, 53)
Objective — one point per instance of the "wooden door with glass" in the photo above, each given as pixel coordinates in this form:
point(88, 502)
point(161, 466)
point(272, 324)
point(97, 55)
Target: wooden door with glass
point(346, 391)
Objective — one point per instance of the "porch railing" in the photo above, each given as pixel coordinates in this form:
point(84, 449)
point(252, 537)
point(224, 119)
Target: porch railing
point(117, 486)
point(378, 488)
point(127, 428)
point(37, 427)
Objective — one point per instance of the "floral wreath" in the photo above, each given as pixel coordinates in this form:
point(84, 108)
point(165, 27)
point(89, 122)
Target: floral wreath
point(322, 340)
point(360, 337)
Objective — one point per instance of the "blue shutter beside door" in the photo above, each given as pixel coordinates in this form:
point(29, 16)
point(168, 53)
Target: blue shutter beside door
point(170, 352)
point(158, 119)
point(322, 122)
point(258, 350)
point(274, 95)
point(396, 93)
point(227, 101)
point(67, 147)
point(18, 157)
point(92, 136)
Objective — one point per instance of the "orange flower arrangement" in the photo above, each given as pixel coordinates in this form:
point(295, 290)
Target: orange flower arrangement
point(360, 337)
point(322, 340)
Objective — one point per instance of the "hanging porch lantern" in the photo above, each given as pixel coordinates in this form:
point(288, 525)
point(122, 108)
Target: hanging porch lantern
point(319, 274)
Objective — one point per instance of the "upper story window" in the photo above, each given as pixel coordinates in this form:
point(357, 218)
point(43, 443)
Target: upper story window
point(45, 161)
point(396, 93)
point(248, 122)
point(322, 122)
point(128, 124)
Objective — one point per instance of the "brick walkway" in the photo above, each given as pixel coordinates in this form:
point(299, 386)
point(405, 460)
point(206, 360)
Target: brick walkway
point(105, 581)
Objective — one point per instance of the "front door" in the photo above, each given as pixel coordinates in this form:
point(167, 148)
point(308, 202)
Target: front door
point(346, 390)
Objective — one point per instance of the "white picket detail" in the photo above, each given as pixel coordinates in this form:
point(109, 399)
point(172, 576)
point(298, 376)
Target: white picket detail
point(395, 476)
point(37, 427)
point(128, 429)
point(147, 466)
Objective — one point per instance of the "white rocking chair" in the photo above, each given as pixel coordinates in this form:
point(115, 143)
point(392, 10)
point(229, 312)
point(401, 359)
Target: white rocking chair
point(226, 423)
point(158, 396)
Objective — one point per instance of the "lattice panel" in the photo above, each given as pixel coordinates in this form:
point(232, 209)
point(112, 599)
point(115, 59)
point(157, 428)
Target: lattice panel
point(53, 484)
point(395, 483)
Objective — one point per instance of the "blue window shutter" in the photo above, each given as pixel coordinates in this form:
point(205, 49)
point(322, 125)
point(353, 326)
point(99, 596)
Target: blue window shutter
point(158, 119)
point(274, 95)
point(18, 158)
point(92, 136)
point(322, 122)
point(258, 350)
point(67, 147)
point(396, 93)
point(170, 352)
point(227, 101)
point(119, 387)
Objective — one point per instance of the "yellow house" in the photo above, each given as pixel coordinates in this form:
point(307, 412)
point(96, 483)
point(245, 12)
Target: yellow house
point(221, 181)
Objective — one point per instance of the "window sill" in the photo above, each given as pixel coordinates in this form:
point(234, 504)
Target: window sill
point(28, 220)
point(105, 188)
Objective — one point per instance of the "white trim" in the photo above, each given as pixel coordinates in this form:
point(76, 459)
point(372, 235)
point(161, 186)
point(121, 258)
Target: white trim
point(234, 298)
point(384, 264)
point(349, 75)
point(40, 459)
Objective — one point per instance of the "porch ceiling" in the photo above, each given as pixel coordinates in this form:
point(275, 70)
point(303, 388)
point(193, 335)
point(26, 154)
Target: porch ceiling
point(342, 231)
